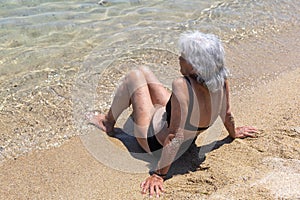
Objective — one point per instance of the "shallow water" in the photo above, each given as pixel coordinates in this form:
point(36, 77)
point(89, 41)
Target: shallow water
point(52, 52)
point(40, 34)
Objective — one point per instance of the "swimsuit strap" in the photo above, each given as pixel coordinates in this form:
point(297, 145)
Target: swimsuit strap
point(188, 125)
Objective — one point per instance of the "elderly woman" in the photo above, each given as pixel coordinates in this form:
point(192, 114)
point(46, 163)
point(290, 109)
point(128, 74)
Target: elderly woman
point(164, 120)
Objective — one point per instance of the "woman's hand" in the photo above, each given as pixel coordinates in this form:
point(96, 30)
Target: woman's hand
point(245, 131)
point(153, 184)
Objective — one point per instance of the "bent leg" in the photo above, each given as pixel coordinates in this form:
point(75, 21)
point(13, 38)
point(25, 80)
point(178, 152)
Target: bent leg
point(141, 89)
point(159, 94)
point(142, 106)
point(133, 90)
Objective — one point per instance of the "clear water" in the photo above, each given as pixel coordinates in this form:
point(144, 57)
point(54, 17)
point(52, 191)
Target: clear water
point(38, 34)
point(44, 44)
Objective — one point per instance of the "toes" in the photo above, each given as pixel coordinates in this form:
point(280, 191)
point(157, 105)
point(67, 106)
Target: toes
point(91, 114)
point(99, 120)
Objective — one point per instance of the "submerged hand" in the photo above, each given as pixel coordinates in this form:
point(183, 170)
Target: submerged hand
point(245, 131)
point(153, 184)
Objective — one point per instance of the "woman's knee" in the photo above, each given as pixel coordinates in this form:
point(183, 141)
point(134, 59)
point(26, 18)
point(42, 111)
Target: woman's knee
point(139, 93)
point(135, 79)
point(135, 75)
point(145, 69)
point(148, 74)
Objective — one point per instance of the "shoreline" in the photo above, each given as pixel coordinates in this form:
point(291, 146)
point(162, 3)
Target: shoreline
point(69, 171)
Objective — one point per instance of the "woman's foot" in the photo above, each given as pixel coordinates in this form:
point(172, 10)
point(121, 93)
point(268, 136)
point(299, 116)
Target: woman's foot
point(100, 121)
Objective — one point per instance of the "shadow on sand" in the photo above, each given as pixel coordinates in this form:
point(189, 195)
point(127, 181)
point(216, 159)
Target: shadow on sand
point(188, 161)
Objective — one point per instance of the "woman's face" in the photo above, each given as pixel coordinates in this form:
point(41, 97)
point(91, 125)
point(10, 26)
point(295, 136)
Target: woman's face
point(185, 67)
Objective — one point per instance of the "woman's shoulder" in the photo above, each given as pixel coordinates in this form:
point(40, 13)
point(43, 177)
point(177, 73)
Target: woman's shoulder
point(179, 86)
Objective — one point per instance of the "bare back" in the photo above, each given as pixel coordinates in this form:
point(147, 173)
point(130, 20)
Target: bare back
point(198, 107)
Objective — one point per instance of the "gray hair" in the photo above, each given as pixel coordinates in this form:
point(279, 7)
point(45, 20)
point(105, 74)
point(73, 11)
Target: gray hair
point(206, 54)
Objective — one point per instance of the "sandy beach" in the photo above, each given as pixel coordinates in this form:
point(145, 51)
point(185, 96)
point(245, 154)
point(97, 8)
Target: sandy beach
point(266, 167)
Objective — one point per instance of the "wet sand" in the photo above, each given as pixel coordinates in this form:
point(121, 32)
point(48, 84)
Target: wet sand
point(266, 167)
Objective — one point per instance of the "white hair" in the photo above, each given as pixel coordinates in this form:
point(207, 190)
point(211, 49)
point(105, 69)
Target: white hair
point(206, 54)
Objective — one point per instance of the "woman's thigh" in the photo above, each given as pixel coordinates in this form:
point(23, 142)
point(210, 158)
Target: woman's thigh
point(158, 93)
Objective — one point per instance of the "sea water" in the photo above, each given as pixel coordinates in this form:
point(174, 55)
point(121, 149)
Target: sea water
point(51, 51)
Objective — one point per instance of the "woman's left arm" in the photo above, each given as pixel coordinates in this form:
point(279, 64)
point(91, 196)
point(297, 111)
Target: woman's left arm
point(154, 183)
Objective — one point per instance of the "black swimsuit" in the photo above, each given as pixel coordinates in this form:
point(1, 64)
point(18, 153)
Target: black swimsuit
point(153, 143)
point(188, 125)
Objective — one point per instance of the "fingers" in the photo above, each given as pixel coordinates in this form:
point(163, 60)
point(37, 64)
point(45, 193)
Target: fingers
point(251, 129)
point(161, 187)
point(247, 131)
point(143, 184)
point(251, 132)
point(247, 134)
point(154, 188)
point(151, 192)
point(159, 190)
point(145, 187)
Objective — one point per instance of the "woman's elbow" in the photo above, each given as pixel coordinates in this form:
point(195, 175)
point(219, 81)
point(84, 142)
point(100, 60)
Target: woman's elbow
point(174, 140)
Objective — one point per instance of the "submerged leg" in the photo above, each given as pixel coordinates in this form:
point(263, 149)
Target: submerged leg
point(133, 90)
point(121, 101)
point(141, 89)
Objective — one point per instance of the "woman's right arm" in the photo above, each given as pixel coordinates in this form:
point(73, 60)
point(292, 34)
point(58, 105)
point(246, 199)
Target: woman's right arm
point(228, 119)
